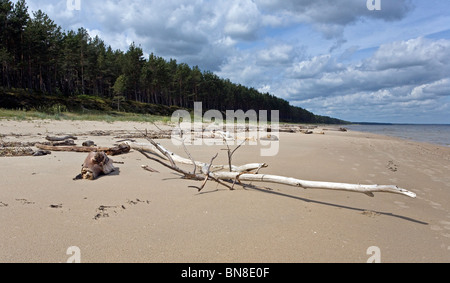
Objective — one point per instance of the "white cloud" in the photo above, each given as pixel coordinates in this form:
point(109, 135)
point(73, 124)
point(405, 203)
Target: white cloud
point(414, 52)
point(314, 67)
point(432, 90)
point(401, 75)
point(423, 61)
point(275, 55)
point(242, 20)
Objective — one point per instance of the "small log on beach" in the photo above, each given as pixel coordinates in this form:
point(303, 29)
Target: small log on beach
point(341, 129)
point(68, 142)
point(58, 139)
point(96, 164)
point(120, 149)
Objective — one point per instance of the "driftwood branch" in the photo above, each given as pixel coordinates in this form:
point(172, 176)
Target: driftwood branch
point(366, 189)
point(68, 142)
point(157, 150)
point(54, 139)
point(250, 172)
point(229, 151)
point(190, 157)
point(116, 150)
point(173, 167)
point(206, 175)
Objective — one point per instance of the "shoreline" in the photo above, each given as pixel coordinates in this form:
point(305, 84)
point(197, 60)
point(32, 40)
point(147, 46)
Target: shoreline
point(409, 132)
point(137, 216)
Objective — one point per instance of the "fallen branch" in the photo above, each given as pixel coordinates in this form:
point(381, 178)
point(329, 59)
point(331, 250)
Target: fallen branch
point(120, 149)
point(63, 143)
point(146, 167)
point(53, 139)
point(238, 174)
point(206, 174)
point(366, 189)
point(341, 129)
point(158, 149)
point(230, 152)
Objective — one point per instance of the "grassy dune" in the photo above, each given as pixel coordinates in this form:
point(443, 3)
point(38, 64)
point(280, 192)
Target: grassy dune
point(87, 116)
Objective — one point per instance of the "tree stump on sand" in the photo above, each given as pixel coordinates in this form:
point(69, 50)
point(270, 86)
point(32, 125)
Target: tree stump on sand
point(96, 164)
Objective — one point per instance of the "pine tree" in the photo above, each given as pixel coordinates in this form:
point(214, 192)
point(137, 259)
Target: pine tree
point(119, 90)
point(132, 68)
point(42, 38)
point(5, 56)
point(18, 21)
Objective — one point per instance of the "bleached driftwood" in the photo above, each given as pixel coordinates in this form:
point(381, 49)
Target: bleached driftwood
point(250, 172)
point(162, 152)
point(366, 189)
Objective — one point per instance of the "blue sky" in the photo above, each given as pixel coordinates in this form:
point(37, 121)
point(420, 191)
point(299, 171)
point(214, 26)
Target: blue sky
point(332, 57)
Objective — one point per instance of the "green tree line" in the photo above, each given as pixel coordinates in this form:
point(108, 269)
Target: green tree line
point(37, 55)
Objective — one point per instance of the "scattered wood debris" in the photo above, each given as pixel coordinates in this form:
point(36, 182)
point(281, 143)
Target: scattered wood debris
point(116, 150)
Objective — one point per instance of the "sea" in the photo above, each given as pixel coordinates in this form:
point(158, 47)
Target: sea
point(434, 134)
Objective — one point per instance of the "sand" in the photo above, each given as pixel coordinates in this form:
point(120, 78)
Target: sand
point(134, 215)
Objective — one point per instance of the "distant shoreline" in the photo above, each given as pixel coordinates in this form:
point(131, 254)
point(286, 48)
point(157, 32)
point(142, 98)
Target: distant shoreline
point(437, 134)
point(399, 124)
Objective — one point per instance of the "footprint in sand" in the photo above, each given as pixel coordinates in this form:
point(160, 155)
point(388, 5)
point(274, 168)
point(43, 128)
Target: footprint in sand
point(103, 211)
point(446, 224)
point(370, 213)
point(356, 165)
point(2, 204)
point(436, 228)
point(444, 228)
point(435, 205)
point(392, 166)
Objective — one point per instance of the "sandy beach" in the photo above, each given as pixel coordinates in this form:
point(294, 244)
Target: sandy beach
point(134, 215)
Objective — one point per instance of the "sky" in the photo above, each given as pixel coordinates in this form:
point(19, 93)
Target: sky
point(356, 60)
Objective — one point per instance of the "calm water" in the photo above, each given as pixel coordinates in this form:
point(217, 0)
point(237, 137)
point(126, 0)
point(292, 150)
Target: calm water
point(436, 134)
